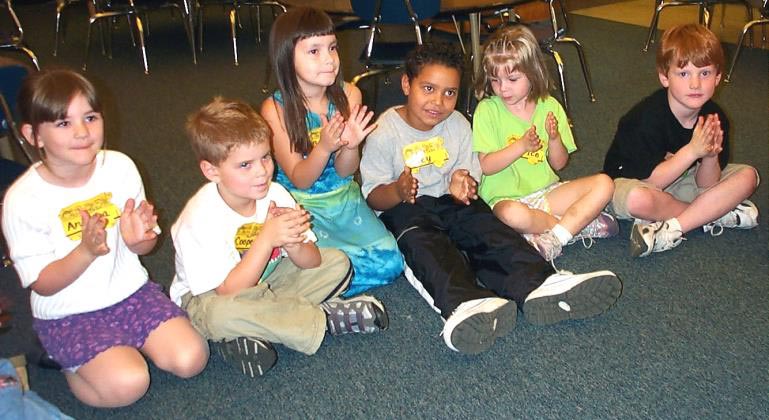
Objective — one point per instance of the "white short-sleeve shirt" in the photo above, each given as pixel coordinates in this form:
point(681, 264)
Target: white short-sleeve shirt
point(210, 238)
point(42, 224)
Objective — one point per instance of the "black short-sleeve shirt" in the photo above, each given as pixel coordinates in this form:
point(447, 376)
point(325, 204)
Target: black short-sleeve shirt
point(648, 132)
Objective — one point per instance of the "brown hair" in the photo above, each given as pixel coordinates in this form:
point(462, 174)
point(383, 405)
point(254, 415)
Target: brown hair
point(690, 43)
point(289, 28)
point(221, 125)
point(45, 97)
point(513, 48)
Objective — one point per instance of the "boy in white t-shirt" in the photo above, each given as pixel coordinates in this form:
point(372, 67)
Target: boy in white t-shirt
point(248, 271)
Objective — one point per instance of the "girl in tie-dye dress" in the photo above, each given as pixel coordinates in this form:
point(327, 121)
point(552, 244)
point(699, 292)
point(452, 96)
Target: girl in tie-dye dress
point(318, 123)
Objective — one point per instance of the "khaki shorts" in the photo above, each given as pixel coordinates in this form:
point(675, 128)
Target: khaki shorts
point(684, 188)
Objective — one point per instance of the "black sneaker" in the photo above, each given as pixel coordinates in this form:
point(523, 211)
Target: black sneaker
point(360, 314)
point(252, 356)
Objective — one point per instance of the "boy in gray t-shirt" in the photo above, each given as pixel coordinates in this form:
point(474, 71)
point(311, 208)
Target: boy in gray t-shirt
point(419, 171)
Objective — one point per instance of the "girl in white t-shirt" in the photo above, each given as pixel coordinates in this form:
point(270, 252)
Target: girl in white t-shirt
point(76, 223)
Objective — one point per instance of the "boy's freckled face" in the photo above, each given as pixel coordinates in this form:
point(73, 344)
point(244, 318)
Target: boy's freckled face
point(689, 87)
point(246, 173)
point(432, 96)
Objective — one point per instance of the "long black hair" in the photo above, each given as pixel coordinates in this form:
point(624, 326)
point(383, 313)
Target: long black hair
point(289, 28)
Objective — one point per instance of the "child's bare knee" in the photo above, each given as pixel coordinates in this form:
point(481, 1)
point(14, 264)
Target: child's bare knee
point(603, 184)
point(124, 388)
point(751, 177)
point(513, 213)
point(190, 360)
point(640, 201)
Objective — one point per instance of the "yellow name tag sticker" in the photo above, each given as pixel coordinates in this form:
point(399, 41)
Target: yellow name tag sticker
point(424, 153)
point(314, 135)
point(535, 157)
point(245, 236)
point(100, 204)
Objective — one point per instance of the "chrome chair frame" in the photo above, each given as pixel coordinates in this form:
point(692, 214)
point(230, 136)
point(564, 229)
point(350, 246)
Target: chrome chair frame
point(15, 40)
point(560, 36)
point(234, 18)
point(97, 12)
point(13, 131)
point(556, 34)
point(764, 20)
point(373, 28)
point(60, 6)
point(705, 13)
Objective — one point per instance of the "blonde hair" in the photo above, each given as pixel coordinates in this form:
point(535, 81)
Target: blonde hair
point(690, 43)
point(514, 48)
point(222, 125)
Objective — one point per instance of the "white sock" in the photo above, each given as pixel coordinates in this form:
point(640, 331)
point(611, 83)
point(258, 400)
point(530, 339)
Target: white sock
point(673, 224)
point(563, 235)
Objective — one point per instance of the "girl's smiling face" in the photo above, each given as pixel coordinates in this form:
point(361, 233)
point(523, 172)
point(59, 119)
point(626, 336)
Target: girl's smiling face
point(70, 142)
point(316, 61)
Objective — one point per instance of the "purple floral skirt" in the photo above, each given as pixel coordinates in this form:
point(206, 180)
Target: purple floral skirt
point(74, 340)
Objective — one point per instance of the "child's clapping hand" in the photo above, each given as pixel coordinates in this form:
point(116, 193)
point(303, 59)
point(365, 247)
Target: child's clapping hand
point(94, 238)
point(285, 227)
point(407, 186)
point(137, 224)
point(530, 141)
point(717, 144)
point(463, 187)
point(331, 133)
point(707, 138)
point(356, 128)
point(551, 125)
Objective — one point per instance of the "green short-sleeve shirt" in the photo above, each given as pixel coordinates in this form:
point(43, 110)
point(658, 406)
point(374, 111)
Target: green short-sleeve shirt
point(494, 127)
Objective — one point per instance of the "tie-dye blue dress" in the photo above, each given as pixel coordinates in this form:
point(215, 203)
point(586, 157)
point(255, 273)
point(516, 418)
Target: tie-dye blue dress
point(343, 220)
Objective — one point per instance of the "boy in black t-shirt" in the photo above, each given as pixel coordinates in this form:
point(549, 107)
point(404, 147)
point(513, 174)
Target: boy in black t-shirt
point(669, 155)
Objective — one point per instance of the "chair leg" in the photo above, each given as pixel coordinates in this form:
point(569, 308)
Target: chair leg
point(749, 18)
point(142, 47)
point(188, 29)
point(706, 11)
point(561, 79)
point(745, 29)
point(582, 62)
point(130, 31)
point(661, 4)
point(268, 62)
point(30, 54)
point(59, 9)
point(458, 31)
point(200, 27)
point(87, 44)
point(267, 75)
point(653, 25)
point(233, 33)
point(256, 26)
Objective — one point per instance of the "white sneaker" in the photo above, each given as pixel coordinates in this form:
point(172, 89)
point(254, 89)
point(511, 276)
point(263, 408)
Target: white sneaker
point(646, 238)
point(565, 295)
point(603, 226)
point(547, 244)
point(744, 216)
point(475, 324)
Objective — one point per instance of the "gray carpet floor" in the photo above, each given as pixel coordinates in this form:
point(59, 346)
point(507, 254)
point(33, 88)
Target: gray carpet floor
point(687, 339)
